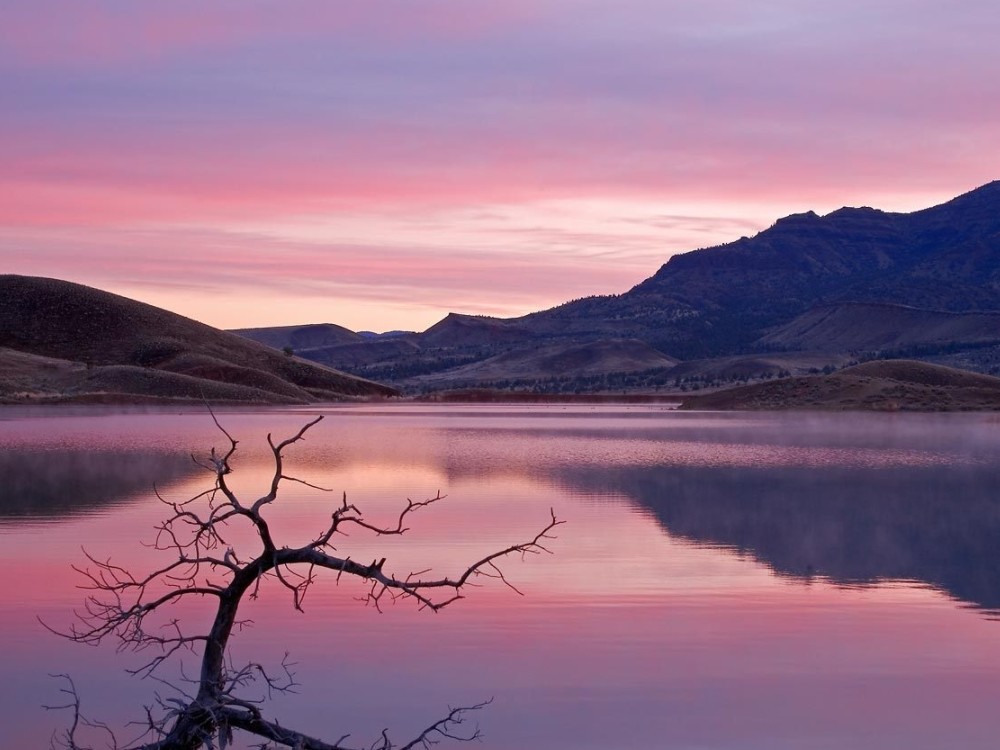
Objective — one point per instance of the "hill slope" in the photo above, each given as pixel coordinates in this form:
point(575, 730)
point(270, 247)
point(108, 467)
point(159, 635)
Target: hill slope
point(310, 336)
point(857, 326)
point(576, 360)
point(886, 385)
point(153, 353)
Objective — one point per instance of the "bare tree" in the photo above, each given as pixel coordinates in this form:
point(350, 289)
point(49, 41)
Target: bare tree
point(124, 607)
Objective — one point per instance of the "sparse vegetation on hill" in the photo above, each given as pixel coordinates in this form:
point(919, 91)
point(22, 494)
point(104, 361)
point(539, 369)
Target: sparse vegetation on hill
point(885, 385)
point(64, 341)
point(857, 326)
point(308, 336)
point(574, 361)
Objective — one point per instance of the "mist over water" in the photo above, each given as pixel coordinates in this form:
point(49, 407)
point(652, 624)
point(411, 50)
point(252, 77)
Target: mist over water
point(723, 580)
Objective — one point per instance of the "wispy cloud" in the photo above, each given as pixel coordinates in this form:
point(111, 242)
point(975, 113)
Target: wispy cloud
point(319, 280)
point(414, 122)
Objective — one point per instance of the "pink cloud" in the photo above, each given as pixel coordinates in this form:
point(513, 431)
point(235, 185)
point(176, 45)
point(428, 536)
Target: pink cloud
point(120, 115)
point(190, 271)
point(242, 170)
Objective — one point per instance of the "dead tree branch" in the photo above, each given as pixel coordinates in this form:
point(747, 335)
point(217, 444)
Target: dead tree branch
point(122, 606)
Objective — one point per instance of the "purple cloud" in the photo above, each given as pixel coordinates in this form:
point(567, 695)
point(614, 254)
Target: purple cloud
point(121, 117)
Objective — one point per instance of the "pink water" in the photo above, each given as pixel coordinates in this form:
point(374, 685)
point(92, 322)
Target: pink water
point(722, 581)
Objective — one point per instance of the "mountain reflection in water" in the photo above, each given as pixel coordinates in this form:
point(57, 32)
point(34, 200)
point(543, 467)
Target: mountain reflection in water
point(58, 482)
point(650, 626)
point(851, 525)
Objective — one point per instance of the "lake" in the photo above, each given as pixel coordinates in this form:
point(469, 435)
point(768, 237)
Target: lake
point(738, 580)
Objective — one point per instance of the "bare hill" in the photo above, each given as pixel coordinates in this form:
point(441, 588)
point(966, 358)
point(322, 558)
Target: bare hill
point(578, 360)
point(300, 337)
point(24, 376)
point(756, 366)
point(460, 330)
point(61, 320)
point(364, 353)
point(921, 373)
point(858, 326)
point(886, 385)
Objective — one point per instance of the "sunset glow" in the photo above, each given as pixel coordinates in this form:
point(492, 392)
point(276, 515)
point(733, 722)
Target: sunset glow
point(377, 166)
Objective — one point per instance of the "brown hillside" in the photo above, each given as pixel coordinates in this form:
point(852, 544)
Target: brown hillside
point(361, 354)
point(921, 373)
point(300, 337)
point(595, 358)
point(459, 330)
point(757, 366)
point(59, 319)
point(884, 385)
point(24, 375)
point(27, 378)
point(871, 326)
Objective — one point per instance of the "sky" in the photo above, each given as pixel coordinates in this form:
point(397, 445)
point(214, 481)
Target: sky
point(380, 164)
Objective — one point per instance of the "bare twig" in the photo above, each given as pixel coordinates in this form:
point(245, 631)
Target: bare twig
point(204, 566)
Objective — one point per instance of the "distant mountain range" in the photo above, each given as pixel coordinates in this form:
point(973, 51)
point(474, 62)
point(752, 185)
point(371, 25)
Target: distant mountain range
point(67, 342)
point(808, 293)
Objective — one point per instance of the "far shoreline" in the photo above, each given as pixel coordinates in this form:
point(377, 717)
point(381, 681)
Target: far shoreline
point(878, 386)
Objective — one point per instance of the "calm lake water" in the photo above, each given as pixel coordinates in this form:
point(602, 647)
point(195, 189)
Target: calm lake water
point(723, 580)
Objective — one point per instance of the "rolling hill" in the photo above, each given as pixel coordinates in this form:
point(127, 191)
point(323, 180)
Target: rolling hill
point(65, 341)
point(885, 385)
point(311, 336)
point(557, 361)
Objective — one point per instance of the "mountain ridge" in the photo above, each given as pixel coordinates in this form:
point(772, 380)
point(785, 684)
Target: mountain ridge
point(729, 300)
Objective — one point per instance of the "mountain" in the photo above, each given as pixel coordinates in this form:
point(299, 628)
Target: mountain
point(816, 290)
point(476, 330)
point(857, 326)
point(722, 300)
point(60, 340)
point(311, 336)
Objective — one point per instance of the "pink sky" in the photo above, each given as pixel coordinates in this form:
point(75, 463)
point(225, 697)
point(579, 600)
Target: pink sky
point(379, 165)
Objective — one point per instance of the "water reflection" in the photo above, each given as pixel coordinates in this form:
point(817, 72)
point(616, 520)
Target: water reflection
point(653, 625)
point(854, 499)
point(55, 483)
point(854, 526)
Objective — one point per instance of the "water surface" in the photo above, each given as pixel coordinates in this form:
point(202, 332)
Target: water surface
point(722, 581)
